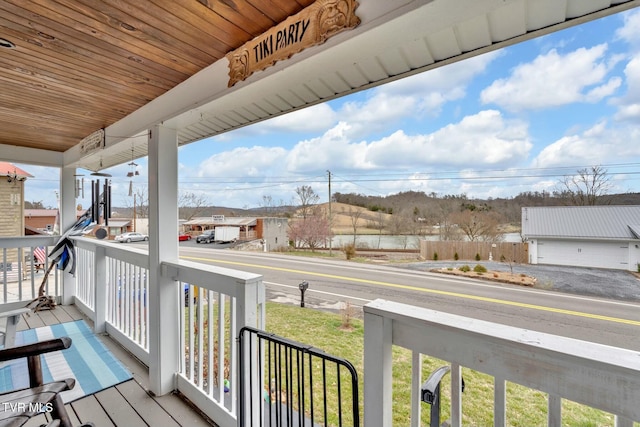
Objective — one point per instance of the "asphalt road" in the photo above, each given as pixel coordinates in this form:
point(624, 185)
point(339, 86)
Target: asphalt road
point(332, 282)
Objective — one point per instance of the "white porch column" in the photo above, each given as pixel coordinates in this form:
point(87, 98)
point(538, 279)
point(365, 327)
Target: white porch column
point(67, 219)
point(164, 296)
point(100, 292)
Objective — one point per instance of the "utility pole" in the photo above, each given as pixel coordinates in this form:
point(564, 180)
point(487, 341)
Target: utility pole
point(330, 233)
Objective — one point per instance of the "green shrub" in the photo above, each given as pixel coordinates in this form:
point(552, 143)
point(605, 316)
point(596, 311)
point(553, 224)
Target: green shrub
point(478, 257)
point(502, 258)
point(480, 268)
point(465, 268)
point(455, 256)
point(435, 256)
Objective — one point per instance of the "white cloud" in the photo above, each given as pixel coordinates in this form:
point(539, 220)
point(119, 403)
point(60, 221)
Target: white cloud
point(630, 31)
point(417, 96)
point(485, 138)
point(553, 80)
point(480, 140)
point(331, 150)
point(629, 104)
point(629, 112)
point(597, 145)
point(243, 162)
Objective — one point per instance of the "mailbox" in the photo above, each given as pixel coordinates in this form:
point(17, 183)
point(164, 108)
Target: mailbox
point(303, 286)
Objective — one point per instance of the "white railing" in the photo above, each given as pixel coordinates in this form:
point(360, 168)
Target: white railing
point(599, 376)
point(217, 303)
point(111, 289)
point(21, 273)
point(112, 284)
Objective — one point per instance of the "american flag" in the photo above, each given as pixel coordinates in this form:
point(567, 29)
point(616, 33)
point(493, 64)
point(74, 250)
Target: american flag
point(40, 254)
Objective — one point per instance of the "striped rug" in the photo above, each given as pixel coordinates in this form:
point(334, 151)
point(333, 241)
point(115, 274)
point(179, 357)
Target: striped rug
point(87, 360)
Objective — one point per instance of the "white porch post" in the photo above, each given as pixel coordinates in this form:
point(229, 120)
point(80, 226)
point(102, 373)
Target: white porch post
point(164, 349)
point(100, 292)
point(378, 362)
point(67, 219)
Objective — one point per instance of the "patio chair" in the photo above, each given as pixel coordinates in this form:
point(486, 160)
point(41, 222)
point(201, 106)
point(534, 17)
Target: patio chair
point(8, 323)
point(18, 406)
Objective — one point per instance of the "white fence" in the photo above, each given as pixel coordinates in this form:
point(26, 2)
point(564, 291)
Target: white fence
point(21, 273)
point(595, 375)
point(112, 284)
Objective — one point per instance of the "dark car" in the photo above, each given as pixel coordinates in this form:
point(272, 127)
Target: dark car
point(207, 237)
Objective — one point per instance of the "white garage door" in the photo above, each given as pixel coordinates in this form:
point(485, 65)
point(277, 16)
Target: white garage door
point(584, 254)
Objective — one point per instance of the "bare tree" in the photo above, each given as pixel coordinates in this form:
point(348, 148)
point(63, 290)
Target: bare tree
point(379, 223)
point(191, 204)
point(442, 216)
point(267, 205)
point(398, 224)
point(477, 225)
point(307, 198)
point(311, 232)
point(589, 187)
point(354, 216)
point(139, 203)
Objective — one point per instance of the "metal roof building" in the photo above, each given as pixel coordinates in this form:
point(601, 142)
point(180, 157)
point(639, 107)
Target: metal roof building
point(585, 236)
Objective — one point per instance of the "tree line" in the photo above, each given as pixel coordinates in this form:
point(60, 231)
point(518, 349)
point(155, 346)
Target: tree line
point(454, 217)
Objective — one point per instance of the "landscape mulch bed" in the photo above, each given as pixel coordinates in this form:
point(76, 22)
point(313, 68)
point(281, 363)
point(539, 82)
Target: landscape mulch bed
point(495, 276)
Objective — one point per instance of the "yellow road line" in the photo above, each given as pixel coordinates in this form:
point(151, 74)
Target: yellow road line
point(430, 291)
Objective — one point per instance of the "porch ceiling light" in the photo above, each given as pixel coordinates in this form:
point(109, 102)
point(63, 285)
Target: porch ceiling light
point(7, 44)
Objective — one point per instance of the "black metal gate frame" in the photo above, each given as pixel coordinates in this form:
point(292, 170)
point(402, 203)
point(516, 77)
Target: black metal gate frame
point(294, 359)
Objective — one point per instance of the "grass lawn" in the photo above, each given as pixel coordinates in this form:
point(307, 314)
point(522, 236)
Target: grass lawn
point(525, 407)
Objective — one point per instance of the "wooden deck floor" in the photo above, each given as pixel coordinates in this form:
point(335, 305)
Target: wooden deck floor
point(124, 405)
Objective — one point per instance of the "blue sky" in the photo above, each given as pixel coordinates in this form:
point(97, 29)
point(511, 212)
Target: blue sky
point(496, 125)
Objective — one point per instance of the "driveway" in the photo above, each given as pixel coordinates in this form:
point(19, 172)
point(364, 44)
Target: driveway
point(613, 284)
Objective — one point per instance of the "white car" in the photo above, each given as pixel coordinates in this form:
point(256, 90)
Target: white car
point(131, 236)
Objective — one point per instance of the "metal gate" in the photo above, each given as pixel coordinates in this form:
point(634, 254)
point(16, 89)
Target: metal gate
point(284, 383)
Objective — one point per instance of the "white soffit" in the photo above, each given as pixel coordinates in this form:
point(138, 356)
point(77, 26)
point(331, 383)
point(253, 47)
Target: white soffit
point(389, 44)
point(434, 34)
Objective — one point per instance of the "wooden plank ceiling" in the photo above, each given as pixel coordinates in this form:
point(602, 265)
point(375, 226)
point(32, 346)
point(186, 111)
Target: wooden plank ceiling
point(81, 65)
point(126, 65)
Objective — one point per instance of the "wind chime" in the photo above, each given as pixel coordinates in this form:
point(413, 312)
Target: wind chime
point(79, 186)
point(132, 172)
point(63, 253)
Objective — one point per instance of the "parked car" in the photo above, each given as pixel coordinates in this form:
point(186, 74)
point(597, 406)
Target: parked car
point(207, 237)
point(131, 236)
point(183, 236)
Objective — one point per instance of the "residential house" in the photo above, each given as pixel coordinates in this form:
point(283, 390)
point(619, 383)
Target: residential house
point(40, 221)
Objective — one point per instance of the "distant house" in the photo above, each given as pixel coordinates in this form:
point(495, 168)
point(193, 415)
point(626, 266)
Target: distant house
point(12, 180)
point(40, 221)
point(583, 236)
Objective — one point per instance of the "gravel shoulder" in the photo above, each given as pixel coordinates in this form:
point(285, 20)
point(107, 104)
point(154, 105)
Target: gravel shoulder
point(612, 284)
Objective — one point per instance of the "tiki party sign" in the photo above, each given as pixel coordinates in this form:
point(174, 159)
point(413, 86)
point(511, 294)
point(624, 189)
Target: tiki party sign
point(311, 26)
